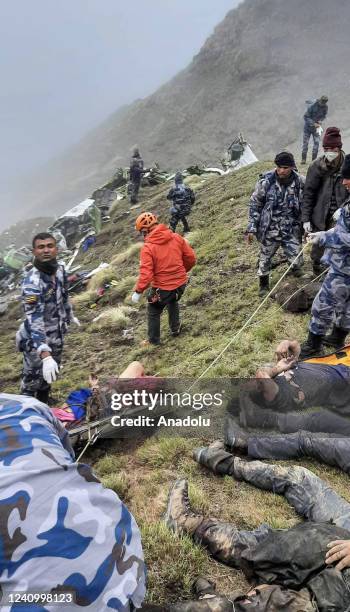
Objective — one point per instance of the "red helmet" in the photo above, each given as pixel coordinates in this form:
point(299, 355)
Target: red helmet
point(145, 221)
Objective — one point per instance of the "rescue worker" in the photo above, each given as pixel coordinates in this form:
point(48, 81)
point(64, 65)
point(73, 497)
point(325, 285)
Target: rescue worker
point(275, 216)
point(315, 114)
point(61, 531)
point(165, 259)
point(48, 313)
point(324, 192)
point(332, 303)
point(182, 197)
point(135, 175)
point(297, 577)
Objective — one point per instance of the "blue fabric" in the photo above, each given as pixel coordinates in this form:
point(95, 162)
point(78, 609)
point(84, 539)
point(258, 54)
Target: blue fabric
point(77, 402)
point(88, 242)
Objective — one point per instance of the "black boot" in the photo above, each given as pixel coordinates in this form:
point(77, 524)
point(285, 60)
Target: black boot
point(43, 395)
point(337, 337)
point(312, 346)
point(264, 285)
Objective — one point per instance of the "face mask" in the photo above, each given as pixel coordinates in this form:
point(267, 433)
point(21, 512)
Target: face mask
point(331, 156)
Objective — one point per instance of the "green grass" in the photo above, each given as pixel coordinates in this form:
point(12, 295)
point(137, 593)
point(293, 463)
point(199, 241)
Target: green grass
point(222, 295)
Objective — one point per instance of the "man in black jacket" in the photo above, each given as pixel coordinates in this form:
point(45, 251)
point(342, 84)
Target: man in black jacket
point(315, 113)
point(324, 192)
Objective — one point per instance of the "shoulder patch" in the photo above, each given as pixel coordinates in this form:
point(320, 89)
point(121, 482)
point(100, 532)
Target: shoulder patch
point(31, 299)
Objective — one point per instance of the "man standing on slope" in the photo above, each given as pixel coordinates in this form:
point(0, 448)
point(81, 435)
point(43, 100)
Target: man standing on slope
point(324, 191)
point(332, 303)
point(315, 113)
point(136, 171)
point(47, 316)
point(182, 198)
point(275, 217)
point(165, 259)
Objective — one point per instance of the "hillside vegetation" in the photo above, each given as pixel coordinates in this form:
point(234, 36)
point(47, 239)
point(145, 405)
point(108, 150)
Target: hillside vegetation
point(221, 295)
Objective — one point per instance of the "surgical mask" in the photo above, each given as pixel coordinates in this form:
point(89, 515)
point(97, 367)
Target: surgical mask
point(331, 155)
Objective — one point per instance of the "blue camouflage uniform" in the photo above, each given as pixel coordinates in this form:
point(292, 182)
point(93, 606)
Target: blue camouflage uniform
point(47, 316)
point(182, 198)
point(136, 171)
point(332, 303)
point(316, 113)
point(60, 528)
point(275, 218)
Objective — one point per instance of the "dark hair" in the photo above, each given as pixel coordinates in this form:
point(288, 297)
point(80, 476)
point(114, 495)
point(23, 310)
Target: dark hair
point(42, 236)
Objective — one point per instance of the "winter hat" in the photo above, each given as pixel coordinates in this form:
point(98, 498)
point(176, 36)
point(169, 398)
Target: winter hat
point(345, 169)
point(285, 159)
point(178, 178)
point(332, 138)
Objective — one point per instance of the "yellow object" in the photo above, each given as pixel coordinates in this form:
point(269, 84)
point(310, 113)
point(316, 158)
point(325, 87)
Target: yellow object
point(340, 357)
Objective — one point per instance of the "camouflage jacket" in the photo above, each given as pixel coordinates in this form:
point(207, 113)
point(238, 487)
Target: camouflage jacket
point(47, 309)
point(337, 243)
point(315, 114)
point(182, 197)
point(60, 528)
point(136, 168)
point(275, 210)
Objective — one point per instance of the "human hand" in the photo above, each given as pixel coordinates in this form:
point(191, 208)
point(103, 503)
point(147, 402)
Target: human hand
point(76, 321)
point(339, 550)
point(135, 297)
point(285, 364)
point(50, 369)
point(314, 238)
point(307, 227)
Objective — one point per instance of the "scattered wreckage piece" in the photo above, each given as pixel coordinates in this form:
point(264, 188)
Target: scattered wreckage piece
point(238, 155)
point(107, 194)
point(79, 221)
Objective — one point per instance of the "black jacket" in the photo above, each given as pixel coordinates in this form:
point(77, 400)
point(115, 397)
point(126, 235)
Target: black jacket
point(321, 179)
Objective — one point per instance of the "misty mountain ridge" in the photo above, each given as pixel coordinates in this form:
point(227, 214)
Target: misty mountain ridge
point(253, 75)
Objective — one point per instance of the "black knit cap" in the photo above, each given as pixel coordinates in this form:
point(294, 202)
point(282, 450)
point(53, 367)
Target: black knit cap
point(345, 169)
point(285, 159)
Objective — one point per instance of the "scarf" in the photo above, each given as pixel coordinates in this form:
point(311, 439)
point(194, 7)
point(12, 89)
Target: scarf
point(47, 267)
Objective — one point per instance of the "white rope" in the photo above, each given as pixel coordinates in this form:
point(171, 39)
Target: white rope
point(249, 320)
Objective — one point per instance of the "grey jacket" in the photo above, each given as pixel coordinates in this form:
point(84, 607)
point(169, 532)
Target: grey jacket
point(318, 192)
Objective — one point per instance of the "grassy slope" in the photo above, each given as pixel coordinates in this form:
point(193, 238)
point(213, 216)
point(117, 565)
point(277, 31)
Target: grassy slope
point(221, 296)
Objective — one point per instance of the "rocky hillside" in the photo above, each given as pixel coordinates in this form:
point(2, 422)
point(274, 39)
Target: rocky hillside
point(253, 75)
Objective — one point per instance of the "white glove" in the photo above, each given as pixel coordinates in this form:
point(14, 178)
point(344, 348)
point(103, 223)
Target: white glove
point(76, 321)
point(315, 237)
point(50, 369)
point(307, 227)
point(135, 297)
point(337, 214)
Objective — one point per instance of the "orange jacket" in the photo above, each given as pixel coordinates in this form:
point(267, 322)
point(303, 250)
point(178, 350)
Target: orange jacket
point(165, 258)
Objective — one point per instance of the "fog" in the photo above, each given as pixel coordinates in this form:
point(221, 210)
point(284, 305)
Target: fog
point(65, 66)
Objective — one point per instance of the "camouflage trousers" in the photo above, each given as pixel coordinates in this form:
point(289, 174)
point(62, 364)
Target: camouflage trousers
point(331, 304)
point(291, 247)
point(133, 191)
point(308, 132)
point(32, 382)
point(332, 449)
point(175, 218)
point(278, 555)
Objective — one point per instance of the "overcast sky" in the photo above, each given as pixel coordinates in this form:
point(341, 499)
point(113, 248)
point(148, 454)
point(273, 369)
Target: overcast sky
point(65, 65)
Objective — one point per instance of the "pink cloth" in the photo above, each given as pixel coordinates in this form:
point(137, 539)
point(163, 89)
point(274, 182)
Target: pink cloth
point(62, 415)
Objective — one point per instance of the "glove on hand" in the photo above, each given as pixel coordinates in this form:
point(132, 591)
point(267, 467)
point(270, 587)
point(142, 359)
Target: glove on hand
point(315, 237)
point(50, 369)
point(135, 297)
point(307, 227)
point(76, 321)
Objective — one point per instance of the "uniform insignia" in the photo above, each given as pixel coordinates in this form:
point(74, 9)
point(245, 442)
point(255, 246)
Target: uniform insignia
point(31, 299)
